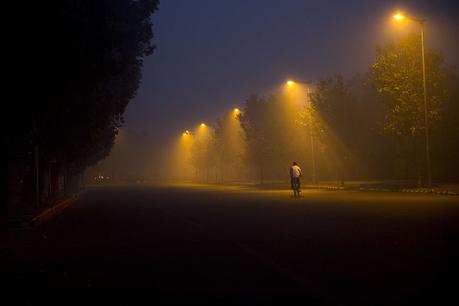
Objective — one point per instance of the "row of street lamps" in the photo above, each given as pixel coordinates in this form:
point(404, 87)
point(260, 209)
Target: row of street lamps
point(291, 83)
point(236, 111)
point(400, 18)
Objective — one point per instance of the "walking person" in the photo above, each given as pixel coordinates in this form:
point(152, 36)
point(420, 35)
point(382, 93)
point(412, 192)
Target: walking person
point(295, 174)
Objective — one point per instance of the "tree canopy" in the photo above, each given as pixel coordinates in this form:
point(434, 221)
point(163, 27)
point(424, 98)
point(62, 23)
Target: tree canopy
point(75, 65)
point(397, 74)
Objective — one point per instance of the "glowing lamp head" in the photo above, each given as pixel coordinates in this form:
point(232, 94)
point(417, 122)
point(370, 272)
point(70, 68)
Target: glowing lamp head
point(290, 83)
point(236, 110)
point(203, 124)
point(399, 17)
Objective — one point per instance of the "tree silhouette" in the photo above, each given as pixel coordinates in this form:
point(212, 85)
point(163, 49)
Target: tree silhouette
point(397, 75)
point(74, 66)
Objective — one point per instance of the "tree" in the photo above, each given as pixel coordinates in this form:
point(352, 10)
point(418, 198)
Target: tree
point(254, 121)
point(222, 150)
point(445, 138)
point(229, 147)
point(397, 75)
point(74, 66)
point(309, 120)
point(202, 156)
point(198, 154)
point(336, 123)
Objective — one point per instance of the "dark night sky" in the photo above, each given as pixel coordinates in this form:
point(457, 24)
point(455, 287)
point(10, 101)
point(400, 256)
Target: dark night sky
point(212, 54)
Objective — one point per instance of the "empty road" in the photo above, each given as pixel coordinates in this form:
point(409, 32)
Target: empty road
point(235, 245)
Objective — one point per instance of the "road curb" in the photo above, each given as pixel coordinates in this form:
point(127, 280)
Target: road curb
point(413, 190)
point(323, 187)
point(53, 211)
point(405, 190)
point(430, 191)
point(377, 189)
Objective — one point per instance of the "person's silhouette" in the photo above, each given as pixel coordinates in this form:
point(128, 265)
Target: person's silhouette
point(295, 174)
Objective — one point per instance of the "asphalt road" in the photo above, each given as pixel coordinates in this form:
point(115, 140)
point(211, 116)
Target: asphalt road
point(225, 245)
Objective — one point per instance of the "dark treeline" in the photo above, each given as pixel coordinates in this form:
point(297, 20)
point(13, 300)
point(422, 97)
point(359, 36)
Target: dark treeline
point(72, 68)
point(368, 127)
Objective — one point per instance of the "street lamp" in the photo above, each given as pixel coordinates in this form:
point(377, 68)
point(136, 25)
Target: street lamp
point(400, 17)
point(236, 113)
point(291, 84)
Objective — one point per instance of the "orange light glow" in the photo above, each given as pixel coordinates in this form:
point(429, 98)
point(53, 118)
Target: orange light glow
point(290, 83)
point(203, 124)
point(399, 17)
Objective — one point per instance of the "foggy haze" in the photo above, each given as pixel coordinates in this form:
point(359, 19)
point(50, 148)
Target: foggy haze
point(211, 56)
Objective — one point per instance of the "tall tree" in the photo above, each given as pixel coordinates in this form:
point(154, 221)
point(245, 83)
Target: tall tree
point(254, 121)
point(74, 66)
point(397, 75)
point(445, 138)
point(229, 144)
point(337, 114)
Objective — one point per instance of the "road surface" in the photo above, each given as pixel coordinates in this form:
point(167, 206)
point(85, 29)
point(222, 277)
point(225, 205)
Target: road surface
point(234, 245)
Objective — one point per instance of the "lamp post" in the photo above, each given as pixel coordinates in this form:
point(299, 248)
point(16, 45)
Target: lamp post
point(400, 17)
point(290, 84)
